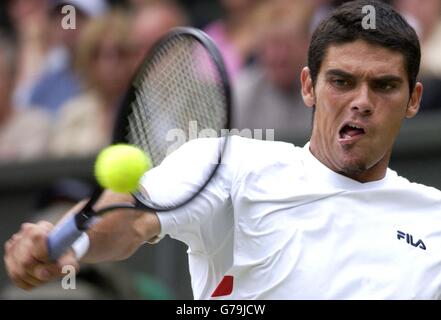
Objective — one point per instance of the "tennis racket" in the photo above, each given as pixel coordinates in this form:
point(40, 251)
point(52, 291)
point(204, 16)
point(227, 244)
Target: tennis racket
point(181, 82)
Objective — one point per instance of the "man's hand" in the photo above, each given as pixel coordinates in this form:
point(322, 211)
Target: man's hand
point(26, 257)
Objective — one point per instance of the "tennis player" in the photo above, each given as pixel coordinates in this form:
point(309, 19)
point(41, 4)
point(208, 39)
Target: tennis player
point(328, 220)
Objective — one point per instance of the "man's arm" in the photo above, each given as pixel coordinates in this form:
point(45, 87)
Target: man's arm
point(115, 237)
point(121, 232)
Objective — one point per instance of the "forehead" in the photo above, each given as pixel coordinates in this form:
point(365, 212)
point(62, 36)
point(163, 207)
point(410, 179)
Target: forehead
point(362, 58)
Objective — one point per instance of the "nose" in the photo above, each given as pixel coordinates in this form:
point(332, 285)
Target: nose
point(362, 102)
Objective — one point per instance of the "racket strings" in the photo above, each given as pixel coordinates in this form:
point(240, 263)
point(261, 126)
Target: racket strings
point(180, 84)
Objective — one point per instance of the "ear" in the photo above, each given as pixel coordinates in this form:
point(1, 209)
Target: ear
point(307, 87)
point(414, 103)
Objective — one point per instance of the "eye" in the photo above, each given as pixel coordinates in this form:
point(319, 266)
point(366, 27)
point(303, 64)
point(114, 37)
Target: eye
point(385, 86)
point(340, 83)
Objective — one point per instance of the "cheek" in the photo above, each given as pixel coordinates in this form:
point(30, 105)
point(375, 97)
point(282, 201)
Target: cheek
point(331, 103)
point(393, 108)
point(393, 120)
point(325, 119)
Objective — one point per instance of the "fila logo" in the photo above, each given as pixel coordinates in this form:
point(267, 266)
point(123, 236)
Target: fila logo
point(409, 239)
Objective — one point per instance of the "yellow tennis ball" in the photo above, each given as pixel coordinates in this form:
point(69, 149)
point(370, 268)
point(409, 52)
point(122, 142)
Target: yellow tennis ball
point(120, 167)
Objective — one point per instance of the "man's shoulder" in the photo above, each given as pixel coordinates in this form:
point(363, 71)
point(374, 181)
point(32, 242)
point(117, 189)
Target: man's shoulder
point(242, 154)
point(264, 148)
point(257, 155)
point(402, 182)
point(241, 141)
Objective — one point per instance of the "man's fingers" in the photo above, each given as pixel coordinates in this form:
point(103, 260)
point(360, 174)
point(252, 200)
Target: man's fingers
point(46, 225)
point(22, 279)
point(38, 275)
point(22, 254)
point(48, 271)
point(19, 260)
point(22, 284)
point(32, 279)
point(8, 245)
point(44, 272)
point(39, 240)
point(30, 242)
point(26, 259)
point(20, 275)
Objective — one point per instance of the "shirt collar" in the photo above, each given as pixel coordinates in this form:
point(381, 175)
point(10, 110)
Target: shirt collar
point(320, 171)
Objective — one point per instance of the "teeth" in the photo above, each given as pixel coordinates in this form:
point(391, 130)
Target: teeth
point(354, 126)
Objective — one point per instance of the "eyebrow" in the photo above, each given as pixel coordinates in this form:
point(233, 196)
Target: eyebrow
point(344, 74)
point(339, 73)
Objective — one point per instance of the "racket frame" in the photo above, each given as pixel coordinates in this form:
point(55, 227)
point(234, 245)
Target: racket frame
point(81, 221)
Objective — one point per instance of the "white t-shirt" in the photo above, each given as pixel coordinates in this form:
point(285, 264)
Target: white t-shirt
point(275, 223)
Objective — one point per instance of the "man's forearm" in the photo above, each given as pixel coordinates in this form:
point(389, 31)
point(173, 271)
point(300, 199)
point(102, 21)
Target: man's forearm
point(119, 233)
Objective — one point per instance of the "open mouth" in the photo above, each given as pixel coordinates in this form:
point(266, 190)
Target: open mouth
point(351, 131)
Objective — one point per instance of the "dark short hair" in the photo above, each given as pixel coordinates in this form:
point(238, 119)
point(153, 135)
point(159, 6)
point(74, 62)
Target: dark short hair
point(344, 25)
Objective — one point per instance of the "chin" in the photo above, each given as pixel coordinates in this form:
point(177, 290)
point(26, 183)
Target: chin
point(352, 172)
point(354, 167)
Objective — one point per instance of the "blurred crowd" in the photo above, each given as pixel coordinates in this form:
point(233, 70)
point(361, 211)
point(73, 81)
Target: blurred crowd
point(63, 74)
point(60, 85)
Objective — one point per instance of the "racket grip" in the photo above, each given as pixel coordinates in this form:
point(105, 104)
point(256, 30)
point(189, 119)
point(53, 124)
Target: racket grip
point(62, 237)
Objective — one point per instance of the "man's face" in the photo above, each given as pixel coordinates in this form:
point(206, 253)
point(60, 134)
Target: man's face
point(361, 97)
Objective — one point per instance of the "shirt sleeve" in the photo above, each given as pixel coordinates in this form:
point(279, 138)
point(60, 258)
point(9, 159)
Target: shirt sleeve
point(203, 222)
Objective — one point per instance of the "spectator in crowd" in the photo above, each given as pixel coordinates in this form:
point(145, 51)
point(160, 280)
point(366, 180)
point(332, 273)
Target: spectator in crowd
point(267, 93)
point(321, 9)
point(104, 62)
point(151, 20)
point(30, 23)
point(425, 17)
point(24, 132)
point(59, 82)
point(235, 34)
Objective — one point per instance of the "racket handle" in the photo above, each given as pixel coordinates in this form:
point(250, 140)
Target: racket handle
point(62, 237)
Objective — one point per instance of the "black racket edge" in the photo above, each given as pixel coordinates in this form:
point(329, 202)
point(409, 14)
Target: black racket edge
point(120, 133)
point(65, 233)
point(121, 123)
